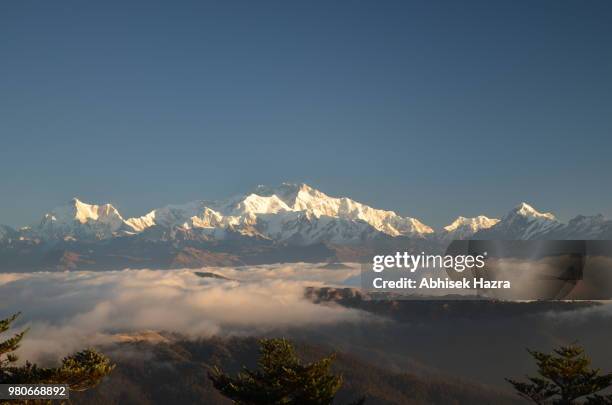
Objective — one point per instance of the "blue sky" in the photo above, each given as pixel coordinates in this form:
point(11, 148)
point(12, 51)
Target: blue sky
point(432, 109)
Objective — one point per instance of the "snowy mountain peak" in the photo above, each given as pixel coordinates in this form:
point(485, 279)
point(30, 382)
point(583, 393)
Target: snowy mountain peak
point(523, 222)
point(526, 210)
point(586, 227)
point(84, 212)
point(77, 219)
point(256, 204)
point(475, 223)
point(463, 228)
point(303, 198)
point(290, 193)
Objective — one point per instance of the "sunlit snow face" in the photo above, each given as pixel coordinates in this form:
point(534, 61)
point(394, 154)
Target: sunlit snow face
point(68, 310)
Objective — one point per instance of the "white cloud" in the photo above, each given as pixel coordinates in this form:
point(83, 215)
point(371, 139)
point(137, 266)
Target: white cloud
point(71, 310)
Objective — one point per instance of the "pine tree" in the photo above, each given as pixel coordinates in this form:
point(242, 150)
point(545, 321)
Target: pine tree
point(81, 371)
point(280, 378)
point(565, 376)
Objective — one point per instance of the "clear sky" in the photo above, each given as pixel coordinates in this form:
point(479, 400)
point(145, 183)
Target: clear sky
point(433, 109)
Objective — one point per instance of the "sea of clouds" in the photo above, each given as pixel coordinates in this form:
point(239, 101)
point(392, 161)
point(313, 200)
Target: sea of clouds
point(67, 311)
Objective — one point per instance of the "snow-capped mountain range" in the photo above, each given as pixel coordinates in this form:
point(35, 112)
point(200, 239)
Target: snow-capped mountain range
point(295, 214)
point(78, 220)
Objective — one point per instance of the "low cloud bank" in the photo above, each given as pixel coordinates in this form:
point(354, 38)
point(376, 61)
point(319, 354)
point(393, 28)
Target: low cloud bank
point(72, 310)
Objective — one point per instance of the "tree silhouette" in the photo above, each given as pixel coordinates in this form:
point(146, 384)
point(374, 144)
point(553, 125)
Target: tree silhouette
point(81, 371)
point(280, 378)
point(565, 376)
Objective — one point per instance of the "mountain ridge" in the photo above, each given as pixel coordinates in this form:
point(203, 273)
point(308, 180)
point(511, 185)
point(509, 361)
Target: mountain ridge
point(292, 213)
